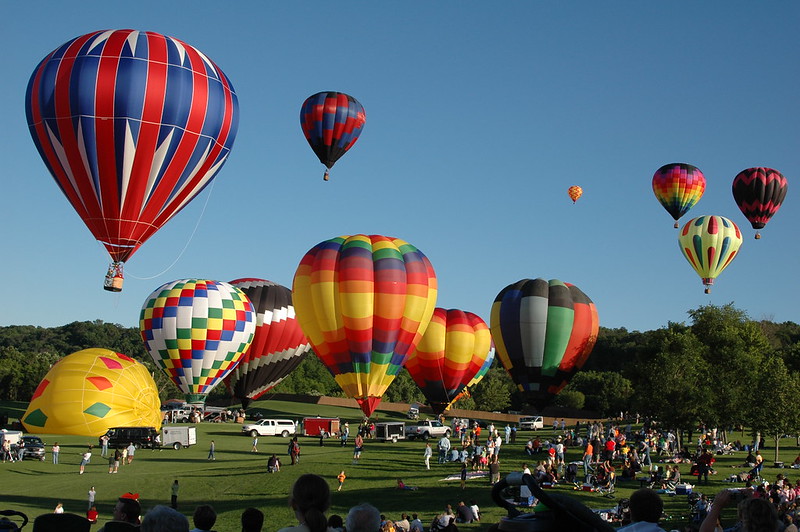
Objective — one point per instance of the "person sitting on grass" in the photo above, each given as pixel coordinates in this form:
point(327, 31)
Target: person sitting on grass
point(402, 485)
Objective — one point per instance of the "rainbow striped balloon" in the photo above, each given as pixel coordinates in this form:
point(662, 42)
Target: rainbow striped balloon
point(678, 187)
point(451, 353)
point(364, 303)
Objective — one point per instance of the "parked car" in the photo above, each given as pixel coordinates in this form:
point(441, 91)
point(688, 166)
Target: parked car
point(531, 423)
point(34, 448)
point(271, 427)
point(140, 437)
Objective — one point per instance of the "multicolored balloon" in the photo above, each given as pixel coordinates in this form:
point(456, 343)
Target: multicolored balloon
point(197, 331)
point(709, 243)
point(678, 186)
point(90, 391)
point(278, 346)
point(331, 122)
point(132, 125)
point(364, 303)
point(451, 353)
point(544, 331)
point(759, 193)
point(487, 363)
point(574, 192)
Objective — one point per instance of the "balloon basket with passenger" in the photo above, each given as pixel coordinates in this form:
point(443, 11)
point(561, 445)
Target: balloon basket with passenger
point(114, 277)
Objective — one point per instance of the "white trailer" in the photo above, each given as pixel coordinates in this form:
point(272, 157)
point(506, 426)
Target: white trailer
point(177, 436)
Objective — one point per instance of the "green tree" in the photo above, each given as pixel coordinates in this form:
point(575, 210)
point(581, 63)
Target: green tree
point(403, 389)
point(677, 374)
point(570, 399)
point(771, 409)
point(494, 391)
point(607, 392)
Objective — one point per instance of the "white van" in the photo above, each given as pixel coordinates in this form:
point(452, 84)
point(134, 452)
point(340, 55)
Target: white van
point(271, 427)
point(531, 423)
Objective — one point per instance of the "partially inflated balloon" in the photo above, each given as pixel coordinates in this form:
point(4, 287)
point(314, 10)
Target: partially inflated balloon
point(709, 243)
point(451, 352)
point(543, 332)
point(487, 363)
point(678, 186)
point(364, 303)
point(197, 331)
point(278, 346)
point(132, 125)
point(332, 123)
point(90, 391)
point(759, 193)
point(574, 192)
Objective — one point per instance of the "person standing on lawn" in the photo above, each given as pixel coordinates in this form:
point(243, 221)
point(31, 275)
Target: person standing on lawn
point(426, 454)
point(174, 500)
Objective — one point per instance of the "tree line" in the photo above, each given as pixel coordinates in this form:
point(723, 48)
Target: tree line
point(721, 369)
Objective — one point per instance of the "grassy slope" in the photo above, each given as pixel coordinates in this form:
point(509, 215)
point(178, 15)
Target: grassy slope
point(237, 479)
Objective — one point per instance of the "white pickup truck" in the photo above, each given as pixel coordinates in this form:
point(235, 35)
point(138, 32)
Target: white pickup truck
point(427, 429)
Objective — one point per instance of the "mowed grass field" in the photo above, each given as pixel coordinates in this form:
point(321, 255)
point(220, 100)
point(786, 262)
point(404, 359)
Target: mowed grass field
point(237, 479)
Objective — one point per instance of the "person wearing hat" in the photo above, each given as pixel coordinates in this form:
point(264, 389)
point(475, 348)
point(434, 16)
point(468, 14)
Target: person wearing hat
point(126, 514)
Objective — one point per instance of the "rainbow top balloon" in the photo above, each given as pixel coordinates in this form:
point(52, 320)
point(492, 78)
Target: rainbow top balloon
point(197, 331)
point(364, 303)
point(132, 125)
point(678, 187)
point(451, 353)
point(543, 332)
point(332, 123)
point(278, 346)
point(88, 392)
point(759, 193)
point(709, 243)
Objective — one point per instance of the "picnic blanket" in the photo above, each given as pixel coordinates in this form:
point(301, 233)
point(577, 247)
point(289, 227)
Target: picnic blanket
point(470, 475)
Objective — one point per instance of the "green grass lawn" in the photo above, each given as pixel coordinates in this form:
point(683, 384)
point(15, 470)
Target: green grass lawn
point(237, 479)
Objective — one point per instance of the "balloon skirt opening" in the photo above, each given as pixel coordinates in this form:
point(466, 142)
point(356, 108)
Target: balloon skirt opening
point(196, 398)
point(368, 404)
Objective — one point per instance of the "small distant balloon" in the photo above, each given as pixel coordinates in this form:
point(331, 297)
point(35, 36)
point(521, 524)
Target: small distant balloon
point(90, 391)
point(759, 193)
point(332, 123)
point(678, 187)
point(575, 192)
point(709, 243)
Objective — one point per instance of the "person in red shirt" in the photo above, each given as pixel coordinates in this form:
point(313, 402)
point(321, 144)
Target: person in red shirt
point(91, 515)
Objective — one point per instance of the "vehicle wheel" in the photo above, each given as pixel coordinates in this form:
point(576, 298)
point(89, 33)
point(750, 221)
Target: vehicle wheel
point(394, 439)
point(426, 436)
point(41, 459)
point(176, 446)
point(137, 445)
point(285, 434)
point(325, 435)
point(254, 433)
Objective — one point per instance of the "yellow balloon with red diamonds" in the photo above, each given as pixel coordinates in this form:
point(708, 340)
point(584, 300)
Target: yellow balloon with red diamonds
point(90, 391)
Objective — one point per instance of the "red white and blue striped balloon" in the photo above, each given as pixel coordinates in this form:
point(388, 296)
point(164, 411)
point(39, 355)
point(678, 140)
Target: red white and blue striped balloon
point(132, 125)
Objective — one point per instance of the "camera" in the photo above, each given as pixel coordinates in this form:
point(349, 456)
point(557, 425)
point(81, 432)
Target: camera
point(738, 495)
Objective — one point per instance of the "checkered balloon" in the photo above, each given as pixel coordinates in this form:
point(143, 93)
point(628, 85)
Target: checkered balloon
point(197, 331)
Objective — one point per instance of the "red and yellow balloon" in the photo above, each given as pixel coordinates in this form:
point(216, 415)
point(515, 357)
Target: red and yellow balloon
point(364, 302)
point(451, 353)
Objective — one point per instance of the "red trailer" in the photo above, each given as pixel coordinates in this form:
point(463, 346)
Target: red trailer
point(327, 426)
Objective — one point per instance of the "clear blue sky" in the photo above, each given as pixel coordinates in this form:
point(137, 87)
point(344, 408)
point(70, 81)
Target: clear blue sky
point(479, 116)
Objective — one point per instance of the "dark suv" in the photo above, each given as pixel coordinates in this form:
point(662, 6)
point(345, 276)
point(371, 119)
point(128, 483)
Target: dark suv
point(34, 447)
point(119, 437)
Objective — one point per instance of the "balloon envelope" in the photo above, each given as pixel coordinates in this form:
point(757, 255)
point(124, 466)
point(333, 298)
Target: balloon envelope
point(575, 192)
point(543, 332)
point(132, 125)
point(90, 391)
point(451, 353)
point(332, 123)
point(197, 331)
point(364, 303)
point(678, 187)
point(709, 243)
point(278, 346)
point(759, 193)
